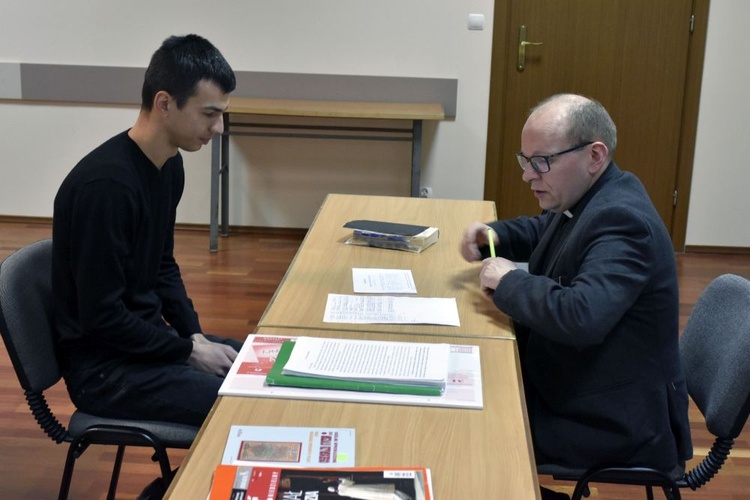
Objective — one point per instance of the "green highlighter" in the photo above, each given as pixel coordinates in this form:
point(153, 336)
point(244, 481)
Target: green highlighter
point(276, 377)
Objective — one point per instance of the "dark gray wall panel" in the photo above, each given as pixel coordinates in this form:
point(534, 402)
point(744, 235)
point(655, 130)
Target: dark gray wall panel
point(99, 84)
point(122, 85)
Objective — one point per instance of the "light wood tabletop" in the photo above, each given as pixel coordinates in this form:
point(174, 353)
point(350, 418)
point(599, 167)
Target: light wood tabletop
point(324, 265)
point(471, 453)
point(336, 109)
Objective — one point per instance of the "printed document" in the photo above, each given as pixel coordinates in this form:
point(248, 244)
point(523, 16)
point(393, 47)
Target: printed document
point(370, 280)
point(388, 309)
point(370, 361)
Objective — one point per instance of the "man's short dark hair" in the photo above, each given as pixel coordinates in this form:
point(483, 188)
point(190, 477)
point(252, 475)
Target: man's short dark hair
point(180, 64)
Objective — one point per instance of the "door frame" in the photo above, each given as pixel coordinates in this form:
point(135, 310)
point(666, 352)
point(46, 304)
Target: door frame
point(501, 38)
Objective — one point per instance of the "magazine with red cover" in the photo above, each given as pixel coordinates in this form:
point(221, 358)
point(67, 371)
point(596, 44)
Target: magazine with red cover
point(237, 482)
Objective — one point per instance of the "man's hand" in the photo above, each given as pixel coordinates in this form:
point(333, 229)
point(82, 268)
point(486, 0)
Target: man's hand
point(210, 356)
point(474, 237)
point(492, 272)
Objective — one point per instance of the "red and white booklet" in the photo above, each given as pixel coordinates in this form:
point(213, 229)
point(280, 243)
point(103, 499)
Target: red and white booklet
point(236, 482)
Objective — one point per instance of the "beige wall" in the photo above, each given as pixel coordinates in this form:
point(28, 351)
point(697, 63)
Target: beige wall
point(281, 182)
point(275, 182)
point(721, 173)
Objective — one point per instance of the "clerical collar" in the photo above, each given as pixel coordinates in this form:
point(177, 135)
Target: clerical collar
point(580, 205)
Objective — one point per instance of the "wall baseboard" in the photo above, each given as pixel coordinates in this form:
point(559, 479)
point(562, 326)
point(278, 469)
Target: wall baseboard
point(22, 219)
point(716, 249)
point(292, 231)
point(281, 231)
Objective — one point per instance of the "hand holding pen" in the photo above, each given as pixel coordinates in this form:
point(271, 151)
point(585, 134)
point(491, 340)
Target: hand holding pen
point(477, 235)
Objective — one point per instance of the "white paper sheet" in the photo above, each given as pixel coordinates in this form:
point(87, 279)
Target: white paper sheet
point(372, 280)
point(391, 310)
point(371, 361)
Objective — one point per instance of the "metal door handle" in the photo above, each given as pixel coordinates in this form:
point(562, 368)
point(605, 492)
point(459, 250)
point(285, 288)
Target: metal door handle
point(522, 43)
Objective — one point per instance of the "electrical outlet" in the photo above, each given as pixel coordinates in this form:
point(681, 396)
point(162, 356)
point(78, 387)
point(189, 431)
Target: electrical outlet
point(425, 192)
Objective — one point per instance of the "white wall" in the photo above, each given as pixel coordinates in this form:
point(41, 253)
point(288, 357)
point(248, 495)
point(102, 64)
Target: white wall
point(274, 182)
point(280, 183)
point(718, 215)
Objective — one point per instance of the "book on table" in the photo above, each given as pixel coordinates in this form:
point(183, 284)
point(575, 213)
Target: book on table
point(237, 482)
point(361, 365)
point(396, 236)
point(319, 447)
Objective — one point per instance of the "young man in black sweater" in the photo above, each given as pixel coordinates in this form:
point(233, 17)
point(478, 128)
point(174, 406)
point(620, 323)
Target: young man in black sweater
point(130, 343)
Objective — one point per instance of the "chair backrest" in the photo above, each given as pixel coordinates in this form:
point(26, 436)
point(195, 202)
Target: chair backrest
point(715, 351)
point(26, 315)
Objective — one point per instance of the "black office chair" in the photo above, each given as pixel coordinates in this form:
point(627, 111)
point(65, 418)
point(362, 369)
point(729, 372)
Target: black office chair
point(26, 326)
point(715, 352)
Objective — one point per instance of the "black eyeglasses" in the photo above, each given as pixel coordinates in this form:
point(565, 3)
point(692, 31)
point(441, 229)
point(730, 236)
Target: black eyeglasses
point(540, 163)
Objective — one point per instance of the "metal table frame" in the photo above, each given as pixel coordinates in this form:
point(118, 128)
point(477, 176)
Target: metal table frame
point(220, 157)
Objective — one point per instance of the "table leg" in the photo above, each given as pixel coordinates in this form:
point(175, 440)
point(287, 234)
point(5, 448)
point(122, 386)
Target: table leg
point(213, 239)
point(416, 157)
point(225, 182)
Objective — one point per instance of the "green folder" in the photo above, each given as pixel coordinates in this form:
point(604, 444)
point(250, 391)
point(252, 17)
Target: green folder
point(276, 377)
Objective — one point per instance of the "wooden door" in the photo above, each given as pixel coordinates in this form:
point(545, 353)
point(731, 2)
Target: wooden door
point(631, 55)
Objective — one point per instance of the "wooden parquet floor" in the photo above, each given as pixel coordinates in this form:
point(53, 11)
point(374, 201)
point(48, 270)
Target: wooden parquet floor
point(230, 290)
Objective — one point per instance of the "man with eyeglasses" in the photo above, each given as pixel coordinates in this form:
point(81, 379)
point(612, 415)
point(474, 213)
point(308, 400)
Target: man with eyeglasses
point(596, 315)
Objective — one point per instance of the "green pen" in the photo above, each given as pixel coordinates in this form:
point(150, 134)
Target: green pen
point(492, 242)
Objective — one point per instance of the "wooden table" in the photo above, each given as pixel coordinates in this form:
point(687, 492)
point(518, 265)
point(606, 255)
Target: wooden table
point(415, 113)
point(323, 265)
point(473, 454)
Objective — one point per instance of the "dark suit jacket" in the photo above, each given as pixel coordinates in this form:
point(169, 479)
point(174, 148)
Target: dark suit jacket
point(596, 319)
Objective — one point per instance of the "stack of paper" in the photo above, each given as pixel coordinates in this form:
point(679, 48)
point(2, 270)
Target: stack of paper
point(247, 377)
point(358, 365)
